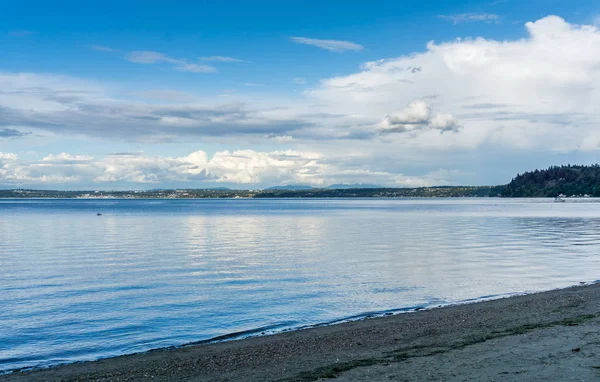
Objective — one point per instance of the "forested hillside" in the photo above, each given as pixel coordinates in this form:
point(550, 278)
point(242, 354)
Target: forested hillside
point(568, 180)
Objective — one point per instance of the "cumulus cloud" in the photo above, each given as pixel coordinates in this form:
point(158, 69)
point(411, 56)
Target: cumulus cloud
point(13, 171)
point(536, 94)
point(444, 122)
point(66, 158)
point(330, 45)
point(5, 160)
point(417, 115)
point(239, 167)
point(182, 65)
point(232, 167)
point(538, 91)
point(519, 94)
point(8, 156)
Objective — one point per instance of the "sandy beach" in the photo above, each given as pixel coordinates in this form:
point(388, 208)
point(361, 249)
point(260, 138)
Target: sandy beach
point(545, 336)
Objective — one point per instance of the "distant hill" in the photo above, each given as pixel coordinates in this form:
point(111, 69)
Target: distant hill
point(291, 187)
point(343, 186)
point(290, 191)
point(568, 180)
point(338, 186)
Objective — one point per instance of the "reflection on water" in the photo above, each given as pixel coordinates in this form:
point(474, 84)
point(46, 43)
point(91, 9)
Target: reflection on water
point(146, 274)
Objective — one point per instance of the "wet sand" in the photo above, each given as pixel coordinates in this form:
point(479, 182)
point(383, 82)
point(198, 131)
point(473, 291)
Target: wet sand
point(552, 335)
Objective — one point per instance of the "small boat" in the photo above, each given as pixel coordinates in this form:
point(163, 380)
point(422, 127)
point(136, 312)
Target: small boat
point(98, 214)
point(559, 199)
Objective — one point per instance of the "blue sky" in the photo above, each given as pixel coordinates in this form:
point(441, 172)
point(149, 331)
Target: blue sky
point(141, 94)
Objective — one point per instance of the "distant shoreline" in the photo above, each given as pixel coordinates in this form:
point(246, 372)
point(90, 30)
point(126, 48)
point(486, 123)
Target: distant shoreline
point(577, 181)
point(274, 197)
point(527, 336)
point(294, 197)
point(444, 191)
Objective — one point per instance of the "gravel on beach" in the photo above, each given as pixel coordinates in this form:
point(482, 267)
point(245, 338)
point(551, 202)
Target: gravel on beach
point(551, 335)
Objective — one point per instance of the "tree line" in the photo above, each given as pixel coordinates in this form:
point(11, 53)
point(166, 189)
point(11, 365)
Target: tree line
point(569, 180)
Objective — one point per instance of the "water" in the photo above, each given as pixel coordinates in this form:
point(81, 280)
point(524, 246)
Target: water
point(154, 273)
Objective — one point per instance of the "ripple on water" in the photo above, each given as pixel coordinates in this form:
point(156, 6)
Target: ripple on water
point(162, 273)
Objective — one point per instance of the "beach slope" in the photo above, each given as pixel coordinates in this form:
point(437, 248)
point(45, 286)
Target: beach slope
point(545, 336)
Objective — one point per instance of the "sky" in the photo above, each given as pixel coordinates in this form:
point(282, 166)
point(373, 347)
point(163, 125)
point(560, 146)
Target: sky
point(251, 94)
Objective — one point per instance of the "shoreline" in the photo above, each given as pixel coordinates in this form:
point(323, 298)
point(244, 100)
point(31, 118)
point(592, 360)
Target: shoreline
point(400, 346)
point(270, 330)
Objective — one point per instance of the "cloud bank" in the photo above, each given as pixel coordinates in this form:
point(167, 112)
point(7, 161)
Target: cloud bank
point(447, 106)
point(536, 92)
point(240, 167)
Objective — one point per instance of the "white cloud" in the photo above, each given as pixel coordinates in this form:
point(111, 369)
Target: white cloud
point(240, 167)
point(221, 59)
point(5, 162)
point(471, 17)
point(65, 157)
point(536, 92)
point(413, 116)
point(182, 65)
point(52, 169)
point(417, 115)
point(233, 167)
point(8, 156)
point(444, 122)
point(250, 167)
point(330, 45)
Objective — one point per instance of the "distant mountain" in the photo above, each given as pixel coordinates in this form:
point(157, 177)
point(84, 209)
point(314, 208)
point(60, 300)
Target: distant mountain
point(290, 187)
point(568, 180)
point(342, 186)
point(338, 186)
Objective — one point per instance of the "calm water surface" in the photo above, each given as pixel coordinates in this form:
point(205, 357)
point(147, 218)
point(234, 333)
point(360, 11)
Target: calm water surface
point(154, 273)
